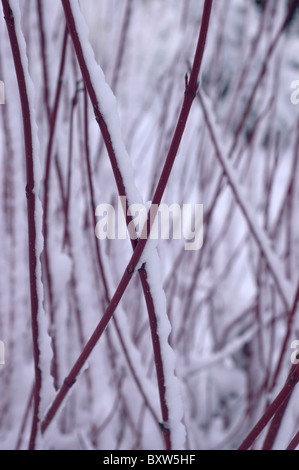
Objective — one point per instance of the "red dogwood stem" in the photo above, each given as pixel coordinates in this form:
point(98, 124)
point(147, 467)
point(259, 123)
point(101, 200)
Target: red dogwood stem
point(190, 93)
point(283, 395)
point(31, 194)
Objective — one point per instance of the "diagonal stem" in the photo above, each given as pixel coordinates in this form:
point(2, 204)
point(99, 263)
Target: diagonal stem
point(190, 93)
point(294, 442)
point(283, 395)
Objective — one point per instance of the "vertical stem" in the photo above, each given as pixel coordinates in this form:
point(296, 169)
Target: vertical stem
point(47, 179)
point(122, 45)
point(44, 56)
point(31, 194)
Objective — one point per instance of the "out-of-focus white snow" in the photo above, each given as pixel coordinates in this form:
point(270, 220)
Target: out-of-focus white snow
point(287, 290)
